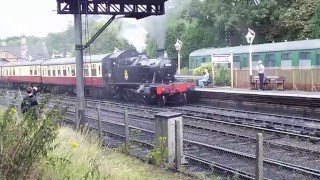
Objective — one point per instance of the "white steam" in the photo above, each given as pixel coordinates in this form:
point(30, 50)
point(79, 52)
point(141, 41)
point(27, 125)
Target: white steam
point(133, 31)
point(136, 31)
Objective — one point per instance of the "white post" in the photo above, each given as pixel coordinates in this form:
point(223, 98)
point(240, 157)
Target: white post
point(178, 46)
point(250, 62)
point(179, 62)
point(250, 37)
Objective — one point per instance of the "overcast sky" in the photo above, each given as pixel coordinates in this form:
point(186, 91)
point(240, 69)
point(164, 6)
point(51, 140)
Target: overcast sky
point(31, 17)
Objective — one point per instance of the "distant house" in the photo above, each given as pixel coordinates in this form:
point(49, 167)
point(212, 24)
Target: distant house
point(6, 56)
point(24, 51)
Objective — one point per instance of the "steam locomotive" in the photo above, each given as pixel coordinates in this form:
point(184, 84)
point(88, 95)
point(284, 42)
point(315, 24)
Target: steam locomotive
point(127, 75)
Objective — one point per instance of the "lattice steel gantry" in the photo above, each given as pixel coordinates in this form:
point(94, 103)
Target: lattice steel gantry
point(129, 8)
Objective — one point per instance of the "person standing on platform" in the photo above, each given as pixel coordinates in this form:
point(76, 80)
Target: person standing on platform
point(260, 69)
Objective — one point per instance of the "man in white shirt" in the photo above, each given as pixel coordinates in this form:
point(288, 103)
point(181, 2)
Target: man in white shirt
point(204, 79)
point(260, 69)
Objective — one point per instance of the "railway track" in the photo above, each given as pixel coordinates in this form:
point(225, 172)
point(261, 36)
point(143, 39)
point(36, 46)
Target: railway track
point(209, 152)
point(206, 140)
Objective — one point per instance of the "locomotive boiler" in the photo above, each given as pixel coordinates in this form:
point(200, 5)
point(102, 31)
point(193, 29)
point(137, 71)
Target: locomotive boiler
point(133, 76)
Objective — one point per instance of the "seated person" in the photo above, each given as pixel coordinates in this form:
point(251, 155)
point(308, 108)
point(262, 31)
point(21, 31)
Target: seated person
point(204, 79)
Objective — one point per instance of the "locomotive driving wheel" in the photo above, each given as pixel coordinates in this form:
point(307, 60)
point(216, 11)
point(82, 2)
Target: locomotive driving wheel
point(161, 100)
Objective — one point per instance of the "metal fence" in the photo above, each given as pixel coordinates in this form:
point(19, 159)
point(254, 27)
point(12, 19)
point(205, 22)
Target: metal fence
point(197, 146)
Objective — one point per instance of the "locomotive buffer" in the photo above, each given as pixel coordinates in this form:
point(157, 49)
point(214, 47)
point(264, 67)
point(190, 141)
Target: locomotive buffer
point(129, 8)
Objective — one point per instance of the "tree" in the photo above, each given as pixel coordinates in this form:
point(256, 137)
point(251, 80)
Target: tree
point(151, 48)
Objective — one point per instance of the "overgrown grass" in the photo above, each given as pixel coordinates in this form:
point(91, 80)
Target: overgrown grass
point(25, 138)
point(80, 156)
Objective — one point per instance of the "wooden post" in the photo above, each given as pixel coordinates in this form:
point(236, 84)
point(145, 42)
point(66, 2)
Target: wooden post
point(76, 117)
point(212, 74)
point(259, 157)
point(99, 120)
point(126, 131)
point(231, 55)
point(178, 150)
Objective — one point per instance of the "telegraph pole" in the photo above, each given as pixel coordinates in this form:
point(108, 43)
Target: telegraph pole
point(79, 68)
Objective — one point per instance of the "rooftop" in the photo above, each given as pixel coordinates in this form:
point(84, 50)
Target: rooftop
point(267, 47)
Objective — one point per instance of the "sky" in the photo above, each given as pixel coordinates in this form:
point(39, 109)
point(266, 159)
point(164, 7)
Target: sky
point(31, 17)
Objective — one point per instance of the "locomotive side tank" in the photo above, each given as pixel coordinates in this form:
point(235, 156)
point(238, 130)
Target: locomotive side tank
point(133, 76)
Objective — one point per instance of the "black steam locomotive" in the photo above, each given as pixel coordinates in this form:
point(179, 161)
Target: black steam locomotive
point(134, 77)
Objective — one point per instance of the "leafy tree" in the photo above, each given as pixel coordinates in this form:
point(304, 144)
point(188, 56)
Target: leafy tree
point(151, 48)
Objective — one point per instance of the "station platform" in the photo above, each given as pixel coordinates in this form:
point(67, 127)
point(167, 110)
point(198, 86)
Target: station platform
point(306, 104)
point(300, 94)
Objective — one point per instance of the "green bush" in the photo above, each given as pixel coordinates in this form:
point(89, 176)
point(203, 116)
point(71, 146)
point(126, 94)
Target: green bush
point(25, 138)
point(222, 74)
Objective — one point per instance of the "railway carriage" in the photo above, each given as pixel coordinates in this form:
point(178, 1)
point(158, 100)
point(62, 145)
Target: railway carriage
point(286, 55)
point(127, 74)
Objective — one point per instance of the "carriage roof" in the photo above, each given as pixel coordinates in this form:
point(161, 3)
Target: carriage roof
point(268, 47)
point(58, 61)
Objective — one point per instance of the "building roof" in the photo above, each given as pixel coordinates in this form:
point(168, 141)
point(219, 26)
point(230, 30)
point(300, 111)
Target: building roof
point(35, 51)
point(58, 61)
point(268, 47)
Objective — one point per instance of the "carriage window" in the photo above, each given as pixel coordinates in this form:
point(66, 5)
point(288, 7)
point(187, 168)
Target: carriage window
point(318, 60)
point(270, 60)
point(64, 71)
point(86, 70)
point(286, 56)
point(35, 71)
point(31, 71)
point(13, 72)
point(73, 71)
point(93, 70)
point(99, 70)
point(304, 60)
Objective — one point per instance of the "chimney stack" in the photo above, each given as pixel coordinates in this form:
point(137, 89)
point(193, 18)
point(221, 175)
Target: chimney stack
point(24, 47)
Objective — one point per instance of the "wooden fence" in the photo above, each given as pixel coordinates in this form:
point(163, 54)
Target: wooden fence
point(296, 79)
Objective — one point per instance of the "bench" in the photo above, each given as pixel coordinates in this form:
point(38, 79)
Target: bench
point(268, 81)
point(208, 83)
